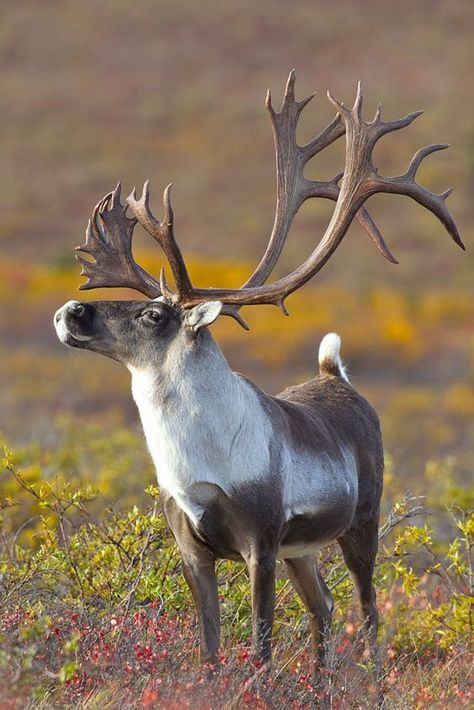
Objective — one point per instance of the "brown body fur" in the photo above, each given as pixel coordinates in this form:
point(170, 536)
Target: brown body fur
point(316, 414)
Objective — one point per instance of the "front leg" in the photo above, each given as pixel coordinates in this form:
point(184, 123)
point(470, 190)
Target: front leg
point(199, 572)
point(261, 566)
point(198, 567)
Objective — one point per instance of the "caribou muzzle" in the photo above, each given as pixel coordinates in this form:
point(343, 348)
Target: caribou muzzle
point(74, 323)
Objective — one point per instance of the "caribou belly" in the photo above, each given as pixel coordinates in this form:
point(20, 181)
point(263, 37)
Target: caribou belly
point(320, 499)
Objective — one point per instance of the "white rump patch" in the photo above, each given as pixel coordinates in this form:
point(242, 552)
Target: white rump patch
point(329, 350)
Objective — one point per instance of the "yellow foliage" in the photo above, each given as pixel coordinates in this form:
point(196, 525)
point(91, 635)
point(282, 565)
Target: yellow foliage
point(459, 400)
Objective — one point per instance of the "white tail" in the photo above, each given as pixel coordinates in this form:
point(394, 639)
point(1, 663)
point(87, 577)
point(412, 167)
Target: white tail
point(330, 362)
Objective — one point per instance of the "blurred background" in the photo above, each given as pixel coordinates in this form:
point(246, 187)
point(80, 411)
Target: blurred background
point(93, 92)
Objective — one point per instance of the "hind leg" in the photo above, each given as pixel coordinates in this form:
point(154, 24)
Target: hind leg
point(359, 548)
point(315, 595)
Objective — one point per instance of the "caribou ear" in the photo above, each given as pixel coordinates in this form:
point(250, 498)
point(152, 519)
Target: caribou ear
point(202, 315)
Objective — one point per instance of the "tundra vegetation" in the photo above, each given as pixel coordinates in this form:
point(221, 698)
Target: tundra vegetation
point(94, 609)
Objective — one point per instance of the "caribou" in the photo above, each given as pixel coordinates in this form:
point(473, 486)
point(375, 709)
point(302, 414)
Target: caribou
point(245, 475)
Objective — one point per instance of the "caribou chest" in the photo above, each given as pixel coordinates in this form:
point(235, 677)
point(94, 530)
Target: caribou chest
point(199, 436)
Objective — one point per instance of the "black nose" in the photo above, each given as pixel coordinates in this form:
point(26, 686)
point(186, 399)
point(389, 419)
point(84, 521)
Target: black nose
point(77, 308)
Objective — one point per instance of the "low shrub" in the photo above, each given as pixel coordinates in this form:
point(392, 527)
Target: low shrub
point(94, 611)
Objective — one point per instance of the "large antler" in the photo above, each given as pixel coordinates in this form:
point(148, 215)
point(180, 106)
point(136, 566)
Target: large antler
point(110, 232)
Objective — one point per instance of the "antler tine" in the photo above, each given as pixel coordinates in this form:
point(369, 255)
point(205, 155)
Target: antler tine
point(108, 240)
point(164, 235)
point(366, 221)
point(94, 231)
point(381, 128)
point(357, 108)
point(406, 185)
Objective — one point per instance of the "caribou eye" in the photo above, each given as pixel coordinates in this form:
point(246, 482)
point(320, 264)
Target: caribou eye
point(155, 316)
